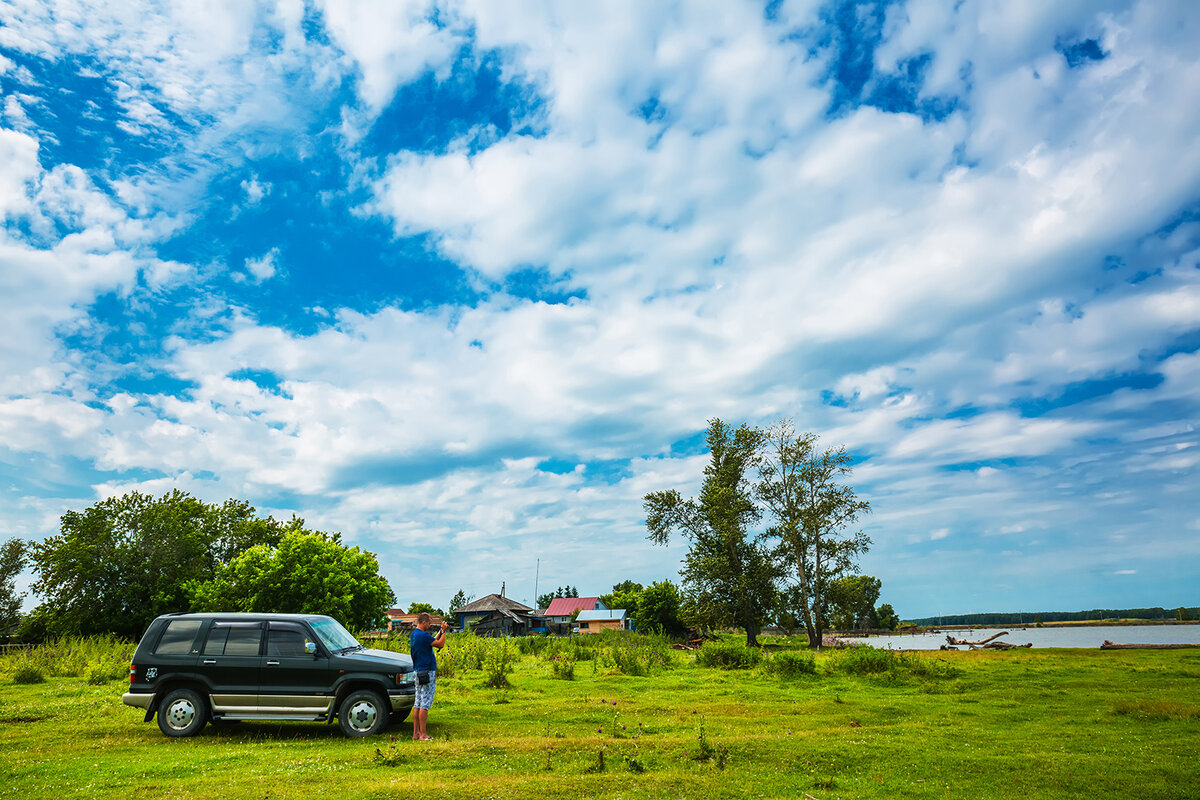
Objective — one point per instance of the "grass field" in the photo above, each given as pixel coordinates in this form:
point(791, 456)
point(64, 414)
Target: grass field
point(1027, 723)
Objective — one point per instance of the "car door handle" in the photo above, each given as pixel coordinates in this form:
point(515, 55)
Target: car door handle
point(209, 661)
point(272, 663)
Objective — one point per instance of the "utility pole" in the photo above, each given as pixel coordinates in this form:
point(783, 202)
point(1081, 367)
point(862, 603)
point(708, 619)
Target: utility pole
point(502, 588)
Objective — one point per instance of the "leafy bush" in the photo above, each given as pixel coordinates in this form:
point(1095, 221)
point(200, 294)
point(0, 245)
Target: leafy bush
point(97, 675)
point(790, 665)
point(498, 663)
point(728, 654)
point(26, 672)
point(863, 660)
point(563, 667)
point(639, 656)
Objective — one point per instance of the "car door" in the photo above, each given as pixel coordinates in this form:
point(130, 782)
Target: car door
point(295, 681)
point(232, 660)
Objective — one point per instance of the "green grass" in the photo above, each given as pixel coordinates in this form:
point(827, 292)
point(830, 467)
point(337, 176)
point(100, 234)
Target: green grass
point(1029, 723)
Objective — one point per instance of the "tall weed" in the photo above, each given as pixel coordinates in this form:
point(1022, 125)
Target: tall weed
point(728, 654)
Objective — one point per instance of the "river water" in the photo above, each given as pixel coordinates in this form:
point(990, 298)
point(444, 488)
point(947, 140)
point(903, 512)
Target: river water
point(1074, 636)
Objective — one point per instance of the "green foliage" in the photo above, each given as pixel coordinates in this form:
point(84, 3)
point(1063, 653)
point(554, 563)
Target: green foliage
point(624, 595)
point(123, 561)
point(728, 654)
point(851, 602)
point(308, 573)
point(811, 506)
point(459, 600)
point(729, 572)
point(637, 655)
point(544, 600)
point(658, 609)
point(417, 608)
point(563, 667)
point(12, 561)
point(886, 617)
point(27, 673)
point(864, 660)
point(498, 664)
point(790, 665)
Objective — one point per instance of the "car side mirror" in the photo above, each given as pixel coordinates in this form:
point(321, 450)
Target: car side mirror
point(310, 648)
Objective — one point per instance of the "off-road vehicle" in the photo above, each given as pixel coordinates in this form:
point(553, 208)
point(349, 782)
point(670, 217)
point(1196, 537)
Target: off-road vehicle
point(194, 668)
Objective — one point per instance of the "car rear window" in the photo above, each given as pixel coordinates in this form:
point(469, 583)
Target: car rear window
point(177, 639)
point(233, 639)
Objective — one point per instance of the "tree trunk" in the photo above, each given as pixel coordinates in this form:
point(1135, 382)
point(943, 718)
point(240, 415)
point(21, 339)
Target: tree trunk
point(752, 634)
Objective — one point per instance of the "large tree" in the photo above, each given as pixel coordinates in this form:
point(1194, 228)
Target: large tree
point(852, 601)
point(308, 573)
point(813, 511)
point(728, 570)
point(120, 563)
point(12, 561)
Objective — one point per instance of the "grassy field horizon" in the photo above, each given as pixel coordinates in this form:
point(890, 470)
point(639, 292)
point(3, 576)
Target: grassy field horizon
point(1041, 723)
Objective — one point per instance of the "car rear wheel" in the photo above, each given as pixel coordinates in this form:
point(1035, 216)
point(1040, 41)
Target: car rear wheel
point(363, 713)
point(182, 712)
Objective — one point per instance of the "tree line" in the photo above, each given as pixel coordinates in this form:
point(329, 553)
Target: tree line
point(771, 534)
point(120, 563)
point(1182, 613)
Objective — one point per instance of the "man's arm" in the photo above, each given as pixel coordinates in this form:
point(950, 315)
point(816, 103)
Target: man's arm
point(440, 641)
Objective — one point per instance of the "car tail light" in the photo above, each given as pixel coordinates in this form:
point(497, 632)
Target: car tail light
point(132, 672)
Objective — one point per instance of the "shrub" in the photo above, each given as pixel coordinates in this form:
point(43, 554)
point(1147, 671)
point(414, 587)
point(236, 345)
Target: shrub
point(728, 655)
point(97, 675)
point(497, 664)
point(638, 656)
point(863, 660)
point(563, 667)
point(28, 673)
point(790, 665)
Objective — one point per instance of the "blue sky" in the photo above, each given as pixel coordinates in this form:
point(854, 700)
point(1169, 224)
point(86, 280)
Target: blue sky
point(465, 280)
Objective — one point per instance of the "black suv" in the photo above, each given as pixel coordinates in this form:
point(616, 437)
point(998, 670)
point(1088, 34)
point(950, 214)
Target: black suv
point(192, 668)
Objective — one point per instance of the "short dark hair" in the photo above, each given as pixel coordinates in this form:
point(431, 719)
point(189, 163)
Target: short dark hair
point(423, 617)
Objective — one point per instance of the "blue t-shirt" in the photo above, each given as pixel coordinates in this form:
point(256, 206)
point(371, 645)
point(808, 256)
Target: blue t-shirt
point(420, 646)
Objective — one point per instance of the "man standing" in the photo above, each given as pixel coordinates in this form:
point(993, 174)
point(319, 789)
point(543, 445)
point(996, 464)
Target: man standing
point(420, 645)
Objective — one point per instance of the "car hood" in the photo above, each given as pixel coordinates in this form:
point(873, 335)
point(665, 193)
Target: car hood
point(379, 659)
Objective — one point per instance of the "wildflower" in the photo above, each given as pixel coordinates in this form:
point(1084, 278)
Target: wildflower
point(598, 730)
point(614, 702)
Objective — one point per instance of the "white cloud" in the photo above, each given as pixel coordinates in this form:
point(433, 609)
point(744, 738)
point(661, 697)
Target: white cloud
point(263, 268)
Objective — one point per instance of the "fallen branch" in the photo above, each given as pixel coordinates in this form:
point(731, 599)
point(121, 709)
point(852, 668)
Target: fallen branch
point(982, 644)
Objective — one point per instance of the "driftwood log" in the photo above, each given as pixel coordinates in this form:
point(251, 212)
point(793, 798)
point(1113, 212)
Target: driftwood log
point(1114, 646)
point(983, 644)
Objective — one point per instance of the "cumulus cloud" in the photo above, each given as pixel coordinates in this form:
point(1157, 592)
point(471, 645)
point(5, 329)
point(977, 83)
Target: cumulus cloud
point(986, 289)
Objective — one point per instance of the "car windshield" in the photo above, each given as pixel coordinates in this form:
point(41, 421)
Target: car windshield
point(332, 634)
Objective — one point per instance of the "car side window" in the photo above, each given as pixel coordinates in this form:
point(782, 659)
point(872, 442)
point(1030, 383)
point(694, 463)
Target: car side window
point(287, 640)
point(177, 639)
point(233, 639)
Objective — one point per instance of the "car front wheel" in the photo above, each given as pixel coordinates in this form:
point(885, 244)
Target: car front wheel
point(363, 713)
point(182, 712)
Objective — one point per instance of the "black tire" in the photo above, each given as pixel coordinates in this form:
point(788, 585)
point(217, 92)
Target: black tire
point(182, 712)
point(363, 713)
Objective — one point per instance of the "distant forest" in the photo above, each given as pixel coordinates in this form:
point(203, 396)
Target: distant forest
point(1029, 618)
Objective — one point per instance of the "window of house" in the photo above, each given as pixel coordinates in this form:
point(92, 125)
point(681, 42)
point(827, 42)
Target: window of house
point(583, 625)
point(177, 639)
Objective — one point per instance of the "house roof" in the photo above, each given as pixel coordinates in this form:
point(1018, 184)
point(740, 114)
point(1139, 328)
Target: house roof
point(566, 606)
point(492, 602)
point(602, 615)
